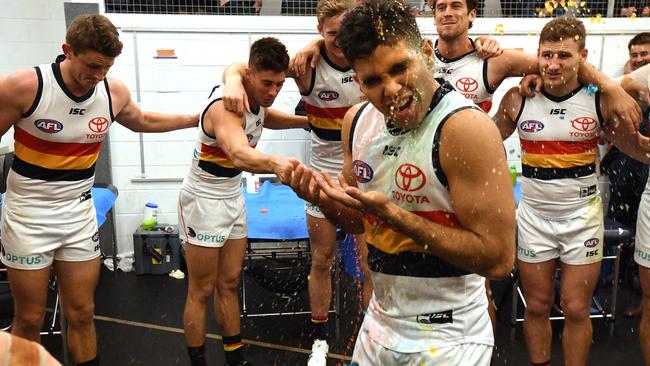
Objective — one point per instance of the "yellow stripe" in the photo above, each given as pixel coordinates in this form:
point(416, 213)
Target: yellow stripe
point(325, 123)
point(559, 160)
point(232, 347)
point(390, 241)
point(55, 162)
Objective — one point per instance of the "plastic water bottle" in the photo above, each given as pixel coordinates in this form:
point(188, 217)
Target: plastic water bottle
point(150, 219)
point(513, 174)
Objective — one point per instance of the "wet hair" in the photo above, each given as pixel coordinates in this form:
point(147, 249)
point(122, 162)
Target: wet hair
point(471, 5)
point(94, 32)
point(330, 8)
point(375, 23)
point(268, 54)
point(639, 39)
point(563, 28)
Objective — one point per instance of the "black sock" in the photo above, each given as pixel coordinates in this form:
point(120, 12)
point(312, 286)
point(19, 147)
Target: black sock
point(93, 362)
point(232, 347)
point(319, 326)
point(197, 355)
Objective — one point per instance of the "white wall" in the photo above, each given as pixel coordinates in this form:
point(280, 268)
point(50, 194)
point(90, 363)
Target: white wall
point(31, 32)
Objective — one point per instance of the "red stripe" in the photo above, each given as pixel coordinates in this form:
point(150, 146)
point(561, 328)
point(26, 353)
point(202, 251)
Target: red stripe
point(216, 150)
point(558, 147)
point(213, 150)
point(55, 148)
point(485, 105)
point(440, 217)
point(325, 112)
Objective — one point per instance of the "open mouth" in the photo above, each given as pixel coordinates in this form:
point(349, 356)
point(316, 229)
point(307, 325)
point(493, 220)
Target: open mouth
point(402, 105)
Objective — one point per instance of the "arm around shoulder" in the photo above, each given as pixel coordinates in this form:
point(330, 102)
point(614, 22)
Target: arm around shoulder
point(128, 114)
point(506, 115)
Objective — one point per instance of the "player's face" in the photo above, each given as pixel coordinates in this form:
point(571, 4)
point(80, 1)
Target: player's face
point(639, 55)
point(266, 86)
point(452, 18)
point(88, 68)
point(559, 62)
point(397, 80)
point(328, 30)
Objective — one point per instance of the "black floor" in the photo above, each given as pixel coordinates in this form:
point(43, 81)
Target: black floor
point(139, 322)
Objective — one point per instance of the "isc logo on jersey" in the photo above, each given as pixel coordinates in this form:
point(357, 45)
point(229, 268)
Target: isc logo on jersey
point(48, 125)
point(531, 126)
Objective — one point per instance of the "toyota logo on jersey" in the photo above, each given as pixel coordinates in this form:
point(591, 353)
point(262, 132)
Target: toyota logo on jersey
point(98, 124)
point(584, 124)
point(466, 85)
point(409, 177)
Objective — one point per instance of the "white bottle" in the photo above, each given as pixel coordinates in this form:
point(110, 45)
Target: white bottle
point(150, 219)
point(252, 184)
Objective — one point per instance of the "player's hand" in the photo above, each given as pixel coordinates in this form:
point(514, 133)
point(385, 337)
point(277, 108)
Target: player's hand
point(234, 97)
point(530, 85)
point(374, 203)
point(305, 58)
point(624, 111)
point(303, 183)
point(644, 143)
point(283, 169)
point(487, 47)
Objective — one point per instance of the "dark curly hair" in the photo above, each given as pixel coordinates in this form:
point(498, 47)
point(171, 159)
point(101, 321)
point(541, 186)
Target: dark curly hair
point(374, 23)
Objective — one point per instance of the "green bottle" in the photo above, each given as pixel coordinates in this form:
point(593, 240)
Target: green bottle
point(513, 174)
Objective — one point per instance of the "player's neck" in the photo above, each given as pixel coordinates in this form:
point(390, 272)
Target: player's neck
point(456, 47)
point(563, 89)
point(339, 62)
point(70, 82)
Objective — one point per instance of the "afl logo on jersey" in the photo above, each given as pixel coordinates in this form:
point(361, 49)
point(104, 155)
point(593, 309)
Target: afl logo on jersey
point(328, 95)
point(362, 171)
point(531, 126)
point(98, 124)
point(466, 85)
point(48, 125)
point(590, 243)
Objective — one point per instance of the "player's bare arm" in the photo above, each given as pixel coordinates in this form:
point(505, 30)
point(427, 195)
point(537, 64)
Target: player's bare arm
point(17, 94)
point(228, 129)
point(278, 120)
point(507, 112)
point(128, 114)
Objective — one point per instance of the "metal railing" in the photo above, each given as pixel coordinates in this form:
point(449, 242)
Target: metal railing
point(486, 8)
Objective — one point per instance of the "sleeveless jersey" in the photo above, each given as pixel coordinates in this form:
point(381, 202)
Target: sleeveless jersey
point(59, 138)
point(467, 74)
point(559, 137)
point(333, 91)
point(212, 174)
point(405, 166)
